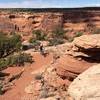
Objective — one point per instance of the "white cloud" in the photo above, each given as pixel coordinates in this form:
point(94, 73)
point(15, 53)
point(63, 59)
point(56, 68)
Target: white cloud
point(22, 4)
point(40, 4)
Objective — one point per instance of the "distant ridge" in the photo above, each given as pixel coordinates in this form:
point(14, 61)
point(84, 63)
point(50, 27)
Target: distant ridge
point(49, 9)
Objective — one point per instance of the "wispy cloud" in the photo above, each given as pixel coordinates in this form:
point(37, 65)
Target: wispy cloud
point(28, 4)
point(46, 3)
point(22, 4)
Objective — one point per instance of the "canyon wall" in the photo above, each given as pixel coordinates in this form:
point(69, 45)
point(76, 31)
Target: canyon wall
point(70, 20)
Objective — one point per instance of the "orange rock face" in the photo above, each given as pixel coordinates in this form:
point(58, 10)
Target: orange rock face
point(26, 23)
point(70, 20)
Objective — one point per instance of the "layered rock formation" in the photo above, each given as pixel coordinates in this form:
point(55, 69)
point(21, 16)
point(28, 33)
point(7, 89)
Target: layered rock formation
point(70, 20)
point(56, 81)
point(26, 22)
point(87, 46)
point(87, 85)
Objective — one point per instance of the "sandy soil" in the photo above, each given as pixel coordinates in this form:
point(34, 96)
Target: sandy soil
point(17, 91)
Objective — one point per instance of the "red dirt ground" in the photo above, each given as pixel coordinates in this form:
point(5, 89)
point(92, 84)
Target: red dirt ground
point(17, 91)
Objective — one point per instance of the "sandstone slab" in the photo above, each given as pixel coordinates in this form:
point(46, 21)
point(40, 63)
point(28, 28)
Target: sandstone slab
point(88, 41)
point(87, 85)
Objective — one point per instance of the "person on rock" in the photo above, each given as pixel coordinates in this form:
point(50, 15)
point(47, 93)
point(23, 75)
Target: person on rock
point(42, 50)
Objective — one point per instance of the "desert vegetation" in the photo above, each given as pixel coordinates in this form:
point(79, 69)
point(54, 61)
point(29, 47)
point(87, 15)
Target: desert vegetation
point(11, 54)
point(9, 44)
point(16, 59)
point(57, 36)
point(68, 52)
point(10, 48)
point(37, 36)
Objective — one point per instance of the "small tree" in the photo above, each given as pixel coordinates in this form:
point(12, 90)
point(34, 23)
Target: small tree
point(34, 42)
point(39, 35)
point(58, 32)
point(55, 41)
point(9, 44)
point(18, 59)
point(58, 36)
point(16, 41)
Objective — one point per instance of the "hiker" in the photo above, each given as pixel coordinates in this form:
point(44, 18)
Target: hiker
point(41, 49)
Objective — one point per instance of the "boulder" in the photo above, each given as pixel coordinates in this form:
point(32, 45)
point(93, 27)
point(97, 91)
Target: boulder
point(60, 49)
point(87, 85)
point(88, 42)
point(86, 46)
point(68, 67)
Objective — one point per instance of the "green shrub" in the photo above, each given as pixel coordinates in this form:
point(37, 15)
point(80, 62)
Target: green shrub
point(58, 32)
point(15, 41)
point(71, 38)
point(18, 59)
point(39, 35)
point(55, 41)
point(9, 44)
point(78, 34)
point(3, 63)
point(34, 42)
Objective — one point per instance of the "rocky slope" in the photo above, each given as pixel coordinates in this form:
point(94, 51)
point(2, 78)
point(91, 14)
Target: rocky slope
point(58, 70)
point(70, 20)
point(53, 81)
point(87, 85)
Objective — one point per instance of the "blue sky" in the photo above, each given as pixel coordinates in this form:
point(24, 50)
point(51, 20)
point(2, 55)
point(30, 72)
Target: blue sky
point(48, 3)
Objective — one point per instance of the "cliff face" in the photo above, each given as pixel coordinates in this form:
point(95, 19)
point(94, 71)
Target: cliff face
point(72, 21)
point(81, 20)
point(26, 23)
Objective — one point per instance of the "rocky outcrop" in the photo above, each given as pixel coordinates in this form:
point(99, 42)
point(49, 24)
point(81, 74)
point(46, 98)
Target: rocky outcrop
point(88, 42)
point(70, 20)
point(87, 46)
point(87, 85)
point(54, 79)
point(26, 22)
point(47, 85)
point(60, 50)
point(69, 68)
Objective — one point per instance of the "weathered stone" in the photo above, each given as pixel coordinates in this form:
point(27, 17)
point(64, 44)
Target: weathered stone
point(88, 42)
point(87, 85)
point(69, 66)
point(33, 88)
point(86, 46)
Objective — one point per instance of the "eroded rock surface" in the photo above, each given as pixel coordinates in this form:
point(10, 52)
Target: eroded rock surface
point(87, 85)
point(88, 42)
point(86, 46)
point(58, 75)
point(53, 81)
point(71, 21)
